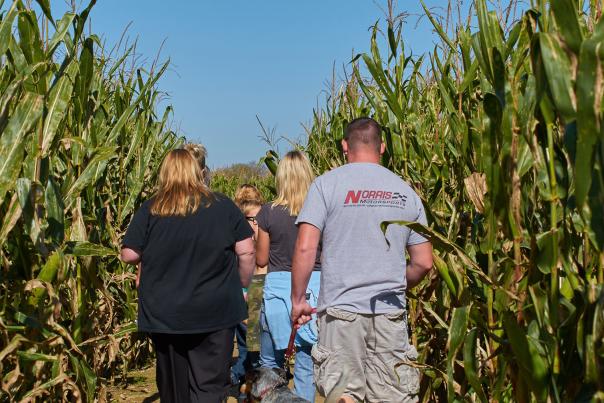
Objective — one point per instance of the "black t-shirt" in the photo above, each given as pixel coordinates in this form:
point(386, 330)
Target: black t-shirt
point(190, 280)
point(282, 230)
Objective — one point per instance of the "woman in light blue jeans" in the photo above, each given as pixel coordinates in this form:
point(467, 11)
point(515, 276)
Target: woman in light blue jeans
point(276, 329)
point(277, 233)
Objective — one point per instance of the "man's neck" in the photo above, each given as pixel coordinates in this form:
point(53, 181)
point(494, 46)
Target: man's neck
point(363, 157)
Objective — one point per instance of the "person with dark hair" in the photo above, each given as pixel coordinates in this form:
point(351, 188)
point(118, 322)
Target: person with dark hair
point(363, 343)
point(363, 133)
point(197, 252)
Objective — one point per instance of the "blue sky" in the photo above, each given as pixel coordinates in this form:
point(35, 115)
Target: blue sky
point(235, 59)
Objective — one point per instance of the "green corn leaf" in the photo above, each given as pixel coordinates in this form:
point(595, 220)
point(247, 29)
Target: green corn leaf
point(567, 21)
point(119, 62)
point(13, 138)
point(135, 142)
point(81, 21)
point(84, 77)
point(499, 75)
point(126, 329)
point(84, 248)
point(546, 255)
point(469, 364)
point(490, 29)
point(445, 95)
point(440, 242)
point(269, 160)
point(26, 193)
point(437, 27)
point(588, 124)
point(45, 6)
point(532, 365)
point(29, 36)
point(61, 30)
point(137, 178)
point(443, 271)
point(30, 356)
point(48, 273)
point(13, 213)
point(457, 331)
point(54, 212)
point(392, 42)
point(513, 39)
point(57, 102)
point(559, 75)
point(85, 375)
point(39, 389)
point(87, 177)
point(469, 76)
point(130, 109)
point(7, 99)
point(6, 27)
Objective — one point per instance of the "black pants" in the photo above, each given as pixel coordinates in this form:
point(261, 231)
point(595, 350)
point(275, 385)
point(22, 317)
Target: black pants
point(193, 367)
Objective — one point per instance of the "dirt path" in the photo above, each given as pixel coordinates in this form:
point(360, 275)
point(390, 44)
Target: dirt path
point(141, 383)
point(141, 389)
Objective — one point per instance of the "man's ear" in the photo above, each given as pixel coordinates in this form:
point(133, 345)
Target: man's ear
point(382, 148)
point(345, 146)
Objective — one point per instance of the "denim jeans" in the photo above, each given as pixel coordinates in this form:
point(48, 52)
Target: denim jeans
point(240, 367)
point(304, 385)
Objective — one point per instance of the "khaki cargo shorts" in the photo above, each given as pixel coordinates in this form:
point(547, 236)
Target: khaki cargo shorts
point(364, 355)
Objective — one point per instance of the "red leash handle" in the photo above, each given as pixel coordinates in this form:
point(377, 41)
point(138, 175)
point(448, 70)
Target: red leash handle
point(289, 353)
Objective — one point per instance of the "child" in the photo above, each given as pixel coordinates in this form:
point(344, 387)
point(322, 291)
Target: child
point(249, 201)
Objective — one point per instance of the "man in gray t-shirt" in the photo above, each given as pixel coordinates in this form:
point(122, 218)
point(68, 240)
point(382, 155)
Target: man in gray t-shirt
point(362, 310)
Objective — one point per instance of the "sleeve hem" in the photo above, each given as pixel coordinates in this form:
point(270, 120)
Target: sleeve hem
point(418, 242)
point(307, 221)
point(240, 237)
point(133, 247)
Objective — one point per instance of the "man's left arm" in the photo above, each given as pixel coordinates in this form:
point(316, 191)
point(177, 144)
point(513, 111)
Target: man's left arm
point(419, 264)
point(303, 263)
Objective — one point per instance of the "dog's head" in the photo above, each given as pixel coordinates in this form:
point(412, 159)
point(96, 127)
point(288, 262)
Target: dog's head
point(262, 381)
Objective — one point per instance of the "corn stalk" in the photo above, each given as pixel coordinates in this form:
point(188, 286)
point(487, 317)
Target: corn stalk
point(500, 132)
point(80, 143)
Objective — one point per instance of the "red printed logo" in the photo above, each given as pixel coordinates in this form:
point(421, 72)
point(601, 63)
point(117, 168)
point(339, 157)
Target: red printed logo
point(374, 198)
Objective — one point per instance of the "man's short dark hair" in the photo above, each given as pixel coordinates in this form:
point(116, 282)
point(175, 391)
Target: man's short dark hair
point(363, 132)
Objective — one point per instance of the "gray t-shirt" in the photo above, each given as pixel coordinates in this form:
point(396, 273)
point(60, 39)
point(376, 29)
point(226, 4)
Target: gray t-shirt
point(282, 232)
point(360, 272)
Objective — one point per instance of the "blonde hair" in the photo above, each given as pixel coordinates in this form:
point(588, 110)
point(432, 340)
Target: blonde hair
point(181, 189)
point(247, 197)
point(199, 152)
point(293, 178)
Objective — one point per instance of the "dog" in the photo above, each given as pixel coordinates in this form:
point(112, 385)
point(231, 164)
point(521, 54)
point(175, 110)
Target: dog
point(269, 385)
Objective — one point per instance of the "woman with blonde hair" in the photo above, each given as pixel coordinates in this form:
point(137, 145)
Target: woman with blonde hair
point(277, 235)
point(197, 252)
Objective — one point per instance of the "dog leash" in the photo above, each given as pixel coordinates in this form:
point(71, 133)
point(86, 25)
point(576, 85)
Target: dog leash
point(289, 353)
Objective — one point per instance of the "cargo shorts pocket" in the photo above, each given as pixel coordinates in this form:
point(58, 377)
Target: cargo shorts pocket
point(398, 317)
point(320, 359)
point(397, 327)
point(341, 314)
point(408, 373)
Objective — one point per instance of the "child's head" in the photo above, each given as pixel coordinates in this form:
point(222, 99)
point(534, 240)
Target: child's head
point(249, 201)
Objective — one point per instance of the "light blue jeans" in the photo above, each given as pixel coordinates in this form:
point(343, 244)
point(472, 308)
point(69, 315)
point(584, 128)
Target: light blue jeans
point(304, 385)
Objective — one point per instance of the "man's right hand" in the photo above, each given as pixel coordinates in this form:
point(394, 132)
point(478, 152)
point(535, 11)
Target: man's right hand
point(301, 313)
